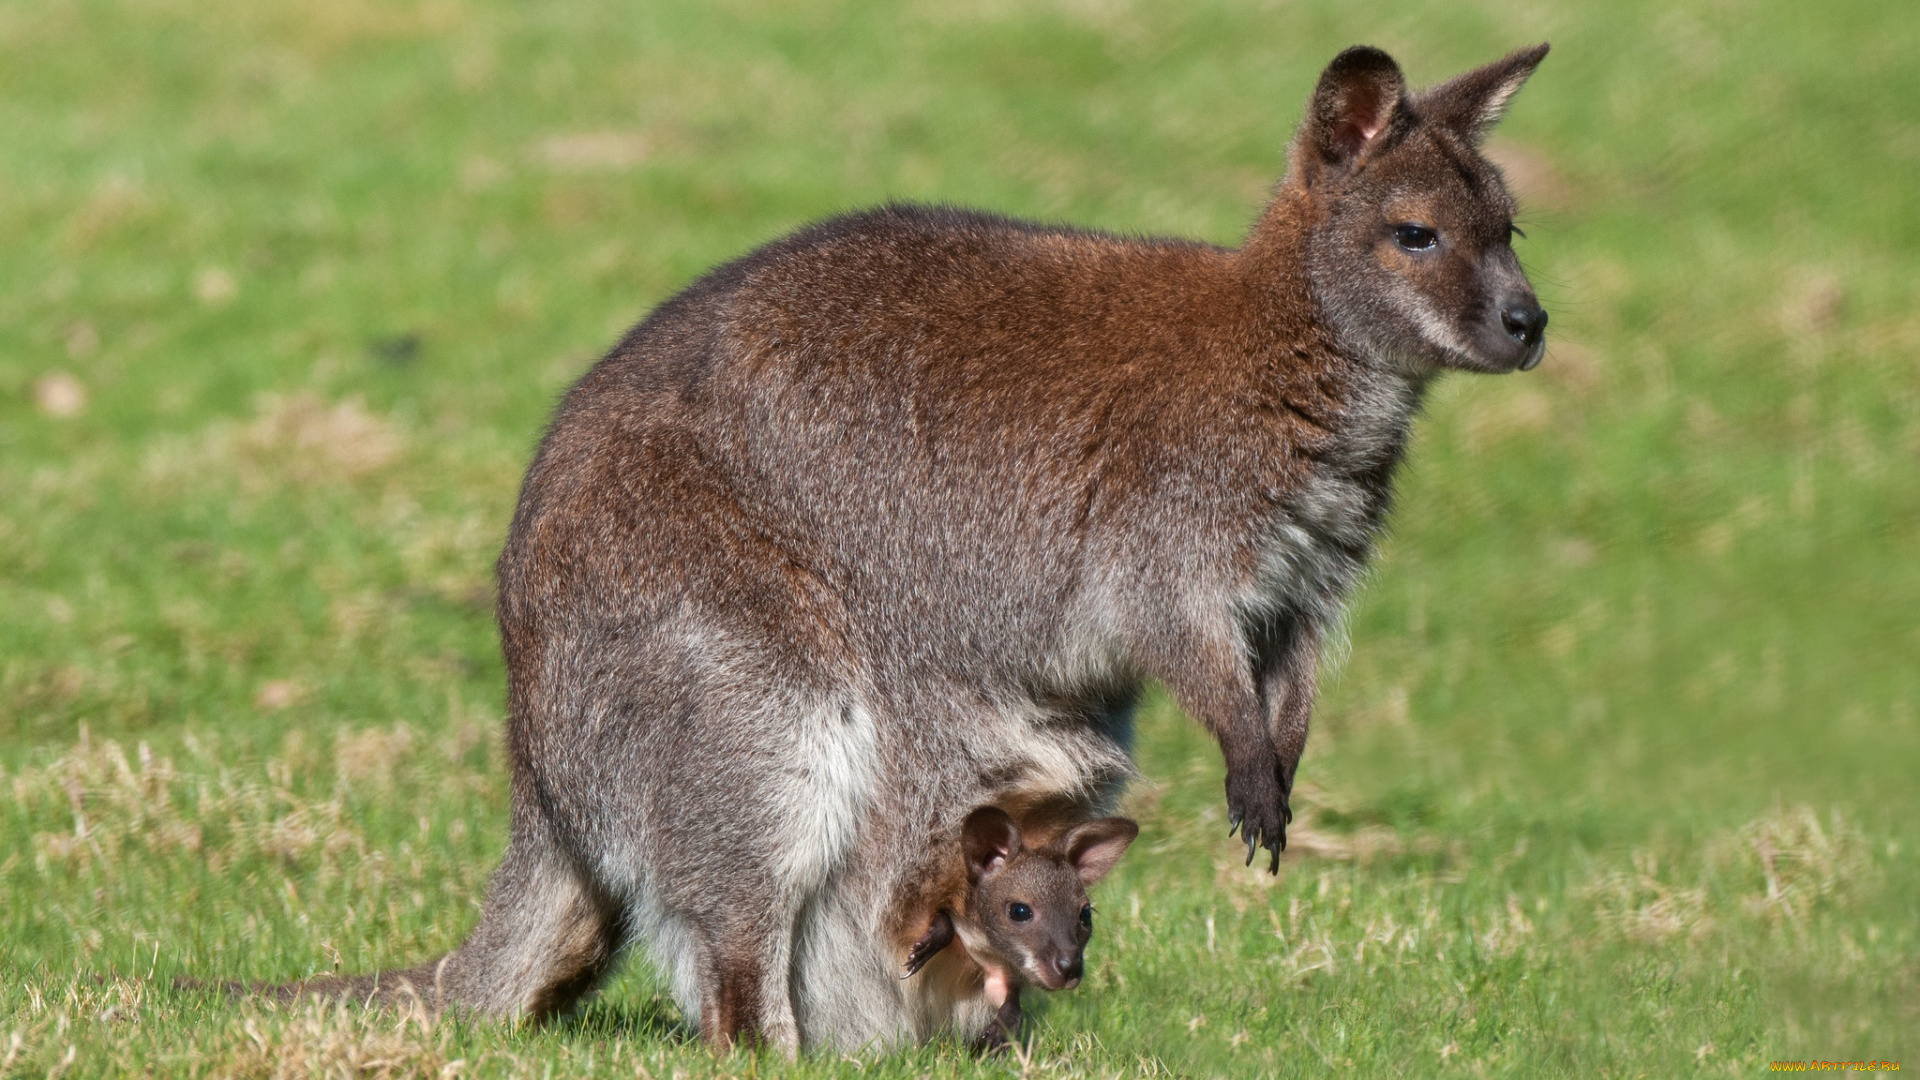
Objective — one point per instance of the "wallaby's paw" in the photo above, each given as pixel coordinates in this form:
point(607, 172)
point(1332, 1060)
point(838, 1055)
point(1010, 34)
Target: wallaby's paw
point(1257, 808)
point(939, 935)
point(993, 1041)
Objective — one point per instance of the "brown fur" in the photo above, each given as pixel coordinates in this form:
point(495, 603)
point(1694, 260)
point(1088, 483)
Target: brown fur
point(895, 517)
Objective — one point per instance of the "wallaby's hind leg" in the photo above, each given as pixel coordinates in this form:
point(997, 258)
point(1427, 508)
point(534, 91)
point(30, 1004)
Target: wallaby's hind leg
point(745, 980)
point(546, 935)
point(729, 999)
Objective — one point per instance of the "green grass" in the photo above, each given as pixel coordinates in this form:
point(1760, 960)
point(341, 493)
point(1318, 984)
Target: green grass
point(1617, 779)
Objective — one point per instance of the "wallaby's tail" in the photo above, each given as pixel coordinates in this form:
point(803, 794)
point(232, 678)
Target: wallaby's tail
point(424, 984)
point(545, 938)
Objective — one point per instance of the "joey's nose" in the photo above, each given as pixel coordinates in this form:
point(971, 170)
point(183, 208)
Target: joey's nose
point(1069, 969)
point(1524, 319)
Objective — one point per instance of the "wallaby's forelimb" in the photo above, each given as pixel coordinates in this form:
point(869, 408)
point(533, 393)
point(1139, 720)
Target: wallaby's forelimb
point(1004, 1028)
point(939, 935)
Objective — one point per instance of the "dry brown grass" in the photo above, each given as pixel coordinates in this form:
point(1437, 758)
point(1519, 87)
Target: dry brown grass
point(321, 1040)
point(1779, 867)
point(296, 439)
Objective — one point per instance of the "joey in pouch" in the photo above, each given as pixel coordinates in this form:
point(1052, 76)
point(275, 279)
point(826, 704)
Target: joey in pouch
point(1024, 916)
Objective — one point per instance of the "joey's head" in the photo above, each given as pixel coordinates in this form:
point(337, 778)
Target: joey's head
point(1031, 904)
point(1410, 228)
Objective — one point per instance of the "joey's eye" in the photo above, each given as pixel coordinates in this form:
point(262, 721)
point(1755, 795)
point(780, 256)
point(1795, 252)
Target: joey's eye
point(1019, 912)
point(1086, 916)
point(1415, 237)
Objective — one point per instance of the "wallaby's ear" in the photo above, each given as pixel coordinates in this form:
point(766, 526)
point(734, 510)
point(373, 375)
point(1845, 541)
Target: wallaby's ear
point(988, 838)
point(1472, 103)
point(1093, 848)
point(1352, 106)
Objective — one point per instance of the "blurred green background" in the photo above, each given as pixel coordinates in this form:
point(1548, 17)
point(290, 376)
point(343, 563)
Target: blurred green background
point(1616, 776)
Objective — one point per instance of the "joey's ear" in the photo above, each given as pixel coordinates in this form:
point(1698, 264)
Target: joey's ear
point(1351, 107)
point(988, 838)
point(1472, 103)
point(1093, 848)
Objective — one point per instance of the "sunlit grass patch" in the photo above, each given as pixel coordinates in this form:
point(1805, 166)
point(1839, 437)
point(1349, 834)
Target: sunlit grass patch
point(1614, 776)
point(345, 855)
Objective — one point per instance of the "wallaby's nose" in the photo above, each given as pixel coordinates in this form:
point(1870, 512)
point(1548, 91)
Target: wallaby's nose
point(1524, 319)
point(1069, 969)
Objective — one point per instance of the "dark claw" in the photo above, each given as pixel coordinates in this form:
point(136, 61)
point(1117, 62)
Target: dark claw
point(1273, 868)
point(918, 959)
point(1234, 825)
point(1248, 836)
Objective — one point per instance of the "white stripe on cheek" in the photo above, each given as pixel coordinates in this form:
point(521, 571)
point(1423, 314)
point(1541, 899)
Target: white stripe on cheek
point(1433, 326)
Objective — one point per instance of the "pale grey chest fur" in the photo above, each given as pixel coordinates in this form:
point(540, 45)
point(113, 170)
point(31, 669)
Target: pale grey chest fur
point(1315, 550)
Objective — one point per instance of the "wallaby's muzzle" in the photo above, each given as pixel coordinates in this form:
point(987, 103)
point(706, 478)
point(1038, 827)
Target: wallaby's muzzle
point(1058, 969)
point(1525, 321)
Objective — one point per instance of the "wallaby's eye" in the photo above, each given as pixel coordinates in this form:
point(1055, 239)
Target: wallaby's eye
point(1019, 912)
point(1415, 237)
point(1086, 916)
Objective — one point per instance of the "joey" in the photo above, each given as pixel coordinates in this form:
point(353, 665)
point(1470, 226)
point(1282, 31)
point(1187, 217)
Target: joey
point(1024, 916)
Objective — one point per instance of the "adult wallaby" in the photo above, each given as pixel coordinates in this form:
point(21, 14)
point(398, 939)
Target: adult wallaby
point(1018, 909)
point(894, 517)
